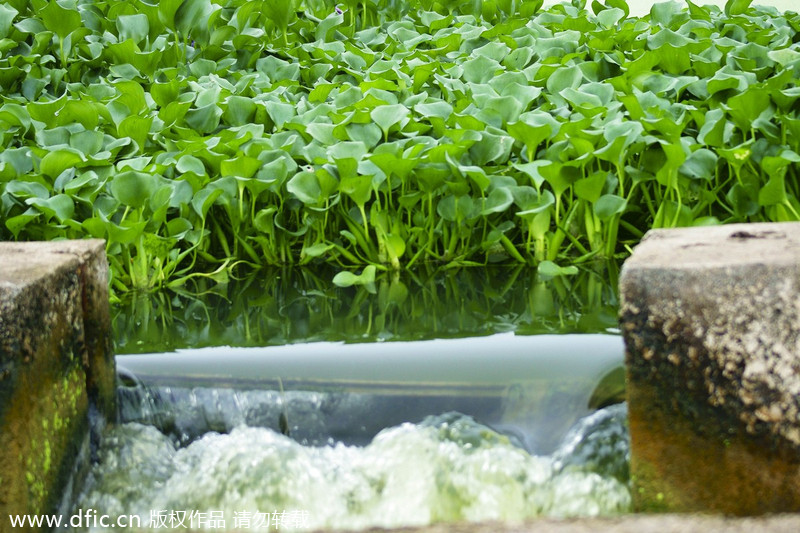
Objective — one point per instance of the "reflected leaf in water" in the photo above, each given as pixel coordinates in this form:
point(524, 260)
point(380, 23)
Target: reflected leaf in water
point(298, 305)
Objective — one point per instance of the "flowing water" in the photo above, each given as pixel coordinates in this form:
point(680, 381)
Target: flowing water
point(445, 468)
point(350, 408)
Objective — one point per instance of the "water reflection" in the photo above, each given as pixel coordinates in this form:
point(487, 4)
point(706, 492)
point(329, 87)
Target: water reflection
point(278, 307)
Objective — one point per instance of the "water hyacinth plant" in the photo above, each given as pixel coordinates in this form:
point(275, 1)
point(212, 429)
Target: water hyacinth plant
point(201, 136)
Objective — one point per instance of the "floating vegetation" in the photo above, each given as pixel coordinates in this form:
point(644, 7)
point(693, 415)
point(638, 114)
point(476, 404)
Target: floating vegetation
point(198, 137)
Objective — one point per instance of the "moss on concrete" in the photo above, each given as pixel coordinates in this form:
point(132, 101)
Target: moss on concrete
point(712, 333)
point(46, 374)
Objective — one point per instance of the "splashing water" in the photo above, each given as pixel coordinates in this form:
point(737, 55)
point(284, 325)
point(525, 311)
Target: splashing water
point(447, 468)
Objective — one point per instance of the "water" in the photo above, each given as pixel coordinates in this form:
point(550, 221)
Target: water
point(445, 468)
point(285, 306)
point(417, 399)
point(532, 387)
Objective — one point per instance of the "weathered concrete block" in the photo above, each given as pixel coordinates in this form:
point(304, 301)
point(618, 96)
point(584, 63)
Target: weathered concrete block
point(711, 321)
point(55, 361)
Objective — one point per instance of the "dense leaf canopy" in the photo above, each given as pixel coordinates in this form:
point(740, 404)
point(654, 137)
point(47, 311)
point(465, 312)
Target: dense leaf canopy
point(197, 135)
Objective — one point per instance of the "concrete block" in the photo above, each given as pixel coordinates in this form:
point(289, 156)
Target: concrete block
point(711, 322)
point(55, 362)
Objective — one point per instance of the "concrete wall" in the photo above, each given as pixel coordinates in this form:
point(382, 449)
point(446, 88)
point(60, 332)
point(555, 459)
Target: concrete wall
point(56, 365)
point(711, 320)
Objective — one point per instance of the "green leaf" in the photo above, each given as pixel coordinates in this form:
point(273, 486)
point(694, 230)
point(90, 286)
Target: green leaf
point(134, 27)
point(205, 119)
point(60, 206)
point(591, 187)
point(238, 110)
point(317, 250)
point(137, 128)
point(386, 116)
point(189, 163)
point(240, 166)
point(701, 164)
point(454, 208)
point(480, 69)
point(17, 223)
point(737, 7)
point(563, 78)
point(359, 188)
point(60, 21)
point(279, 112)
point(191, 18)
point(305, 186)
point(498, 201)
point(56, 162)
point(774, 191)
point(549, 270)
point(27, 189)
point(609, 205)
point(132, 188)
point(348, 279)
point(7, 14)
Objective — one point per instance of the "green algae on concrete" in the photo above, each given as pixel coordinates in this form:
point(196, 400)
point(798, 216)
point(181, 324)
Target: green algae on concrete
point(55, 360)
point(711, 323)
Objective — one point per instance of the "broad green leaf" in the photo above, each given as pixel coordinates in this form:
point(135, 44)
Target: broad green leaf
point(480, 69)
point(743, 202)
point(530, 202)
point(774, 191)
point(349, 149)
point(563, 78)
point(746, 107)
point(240, 166)
point(498, 201)
point(359, 188)
point(348, 279)
point(609, 205)
point(491, 147)
point(7, 14)
point(54, 163)
point(27, 189)
point(591, 187)
point(439, 108)
point(279, 112)
point(238, 110)
point(548, 269)
point(784, 56)
point(305, 186)
point(132, 188)
point(386, 116)
point(166, 12)
point(205, 119)
point(59, 206)
point(59, 20)
point(189, 163)
point(134, 27)
point(17, 223)
point(701, 164)
point(191, 18)
point(87, 142)
point(137, 128)
point(737, 7)
point(457, 208)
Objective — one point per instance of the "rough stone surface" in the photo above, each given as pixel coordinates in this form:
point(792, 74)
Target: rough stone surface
point(55, 361)
point(711, 320)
